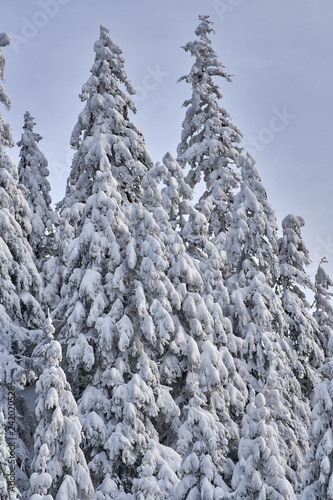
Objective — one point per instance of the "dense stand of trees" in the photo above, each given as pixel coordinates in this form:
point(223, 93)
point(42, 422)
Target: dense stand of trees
point(169, 344)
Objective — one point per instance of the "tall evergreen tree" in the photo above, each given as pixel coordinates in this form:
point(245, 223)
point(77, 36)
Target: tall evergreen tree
point(197, 363)
point(209, 150)
point(323, 308)
point(267, 360)
point(318, 479)
point(59, 466)
point(190, 347)
point(33, 177)
point(209, 144)
point(261, 471)
point(20, 283)
point(267, 363)
point(20, 287)
point(292, 286)
point(252, 233)
point(104, 126)
point(93, 230)
point(33, 174)
point(116, 298)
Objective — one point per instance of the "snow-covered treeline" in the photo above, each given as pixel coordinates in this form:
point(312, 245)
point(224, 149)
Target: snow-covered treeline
point(155, 347)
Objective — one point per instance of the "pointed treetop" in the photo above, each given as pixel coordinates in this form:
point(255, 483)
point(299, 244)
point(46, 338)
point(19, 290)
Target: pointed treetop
point(6, 135)
point(104, 137)
point(323, 307)
point(210, 142)
point(4, 39)
point(207, 63)
point(107, 70)
point(204, 26)
point(29, 123)
point(293, 255)
point(33, 176)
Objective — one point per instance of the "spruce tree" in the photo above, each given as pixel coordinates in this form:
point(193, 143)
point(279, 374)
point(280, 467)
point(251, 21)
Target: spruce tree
point(292, 286)
point(196, 386)
point(114, 314)
point(20, 289)
point(197, 363)
point(33, 178)
point(253, 232)
point(20, 283)
point(33, 174)
point(210, 142)
point(323, 308)
point(318, 480)
point(93, 229)
point(59, 468)
point(209, 151)
point(261, 471)
point(266, 360)
point(104, 126)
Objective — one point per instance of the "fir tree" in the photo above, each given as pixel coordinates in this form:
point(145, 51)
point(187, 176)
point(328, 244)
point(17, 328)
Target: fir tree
point(252, 234)
point(210, 141)
point(266, 359)
point(318, 480)
point(204, 381)
point(209, 149)
point(323, 308)
point(261, 471)
point(20, 283)
point(59, 467)
point(20, 288)
point(267, 362)
point(33, 177)
point(104, 125)
point(115, 297)
point(190, 347)
point(33, 174)
point(93, 230)
point(292, 285)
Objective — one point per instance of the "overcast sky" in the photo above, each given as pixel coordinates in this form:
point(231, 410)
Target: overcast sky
point(279, 53)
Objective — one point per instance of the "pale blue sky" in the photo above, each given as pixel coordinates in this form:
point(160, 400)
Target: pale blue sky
point(280, 53)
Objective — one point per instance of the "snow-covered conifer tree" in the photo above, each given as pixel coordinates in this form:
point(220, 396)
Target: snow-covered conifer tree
point(292, 285)
point(323, 308)
point(209, 150)
point(318, 479)
point(209, 144)
point(252, 233)
point(107, 170)
point(20, 287)
point(33, 177)
point(33, 174)
point(20, 284)
point(105, 141)
point(114, 313)
point(104, 125)
point(203, 378)
point(267, 362)
point(59, 469)
point(261, 471)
